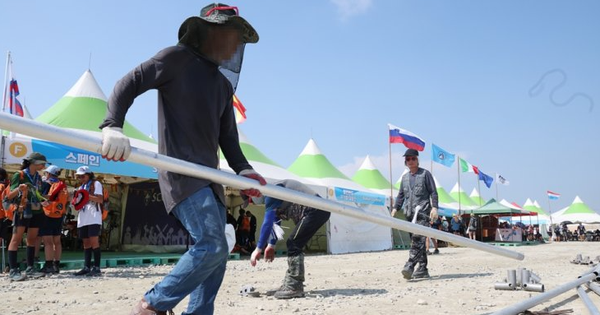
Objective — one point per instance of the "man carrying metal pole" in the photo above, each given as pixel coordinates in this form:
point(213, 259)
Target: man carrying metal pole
point(419, 200)
point(195, 80)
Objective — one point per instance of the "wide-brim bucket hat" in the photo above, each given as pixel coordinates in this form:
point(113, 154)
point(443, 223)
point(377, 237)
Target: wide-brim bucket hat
point(220, 14)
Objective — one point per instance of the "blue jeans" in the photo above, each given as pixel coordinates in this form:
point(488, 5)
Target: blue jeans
point(200, 270)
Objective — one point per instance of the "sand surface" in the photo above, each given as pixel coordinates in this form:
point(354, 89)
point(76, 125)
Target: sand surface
point(462, 282)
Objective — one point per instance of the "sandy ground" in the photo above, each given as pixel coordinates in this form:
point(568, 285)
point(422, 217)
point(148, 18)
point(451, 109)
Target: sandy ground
point(367, 283)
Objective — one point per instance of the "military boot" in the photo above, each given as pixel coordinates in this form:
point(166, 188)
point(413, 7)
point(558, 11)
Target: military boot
point(421, 273)
point(407, 271)
point(293, 284)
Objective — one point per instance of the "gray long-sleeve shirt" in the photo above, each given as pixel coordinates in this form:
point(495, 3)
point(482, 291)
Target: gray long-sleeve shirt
point(424, 193)
point(195, 116)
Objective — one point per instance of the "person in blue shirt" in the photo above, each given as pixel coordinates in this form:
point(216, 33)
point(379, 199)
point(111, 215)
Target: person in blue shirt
point(307, 220)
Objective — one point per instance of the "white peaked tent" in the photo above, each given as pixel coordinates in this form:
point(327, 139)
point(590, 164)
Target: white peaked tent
point(445, 200)
point(458, 194)
point(577, 212)
point(266, 167)
point(510, 205)
point(542, 217)
point(476, 197)
point(344, 234)
point(370, 177)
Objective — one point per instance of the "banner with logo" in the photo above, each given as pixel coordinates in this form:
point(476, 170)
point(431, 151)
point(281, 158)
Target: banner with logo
point(18, 148)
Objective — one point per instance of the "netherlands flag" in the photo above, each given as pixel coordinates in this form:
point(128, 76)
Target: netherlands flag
point(409, 139)
point(14, 105)
point(553, 195)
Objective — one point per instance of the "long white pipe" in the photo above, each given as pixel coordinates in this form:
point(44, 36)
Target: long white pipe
point(162, 162)
point(534, 301)
point(587, 301)
point(594, 287)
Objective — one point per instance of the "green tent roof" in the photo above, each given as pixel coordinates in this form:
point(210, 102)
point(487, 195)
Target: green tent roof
point(84, 108)
point(457, 193)
point(370, 177)
point(577, 207)
point(251, 152)
point(494, 207)
point(443, 196)
point(313, 164)
point(477, 198)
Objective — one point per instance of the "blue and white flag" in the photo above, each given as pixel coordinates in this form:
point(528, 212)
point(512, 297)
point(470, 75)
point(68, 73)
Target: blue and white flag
point(442, 156)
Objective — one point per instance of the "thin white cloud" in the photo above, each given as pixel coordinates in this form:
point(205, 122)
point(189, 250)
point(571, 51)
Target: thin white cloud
point(351, 8)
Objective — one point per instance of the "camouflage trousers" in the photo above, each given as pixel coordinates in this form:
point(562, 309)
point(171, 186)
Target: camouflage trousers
point(418, 251)
point(294, 276)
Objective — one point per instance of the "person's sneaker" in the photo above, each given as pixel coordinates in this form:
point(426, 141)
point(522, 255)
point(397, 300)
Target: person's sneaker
point(94, 272)
point(428, 252)
point(436, 251)
point(421, 274)
point(15, 275)
point(143, 308)
point(289, 293)
point(407, 272)
point(82, 272)
point(32, 273)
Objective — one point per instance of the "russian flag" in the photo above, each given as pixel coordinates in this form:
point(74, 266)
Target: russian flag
point(14, 105)
point(410, 140)
point(553, 195)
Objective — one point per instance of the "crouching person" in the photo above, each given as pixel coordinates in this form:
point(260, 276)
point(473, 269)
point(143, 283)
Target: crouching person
point(307, 220)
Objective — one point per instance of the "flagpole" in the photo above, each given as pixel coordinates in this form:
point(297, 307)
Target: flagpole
point(391, 180)
point(458, 171)
point(497, 187)
point(479, 192)
point(5, 81)
point(551, 223)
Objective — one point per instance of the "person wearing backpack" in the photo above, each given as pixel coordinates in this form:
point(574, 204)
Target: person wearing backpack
point(25, 188)
point(55, 207)
point(4, 222)
point(89, 220)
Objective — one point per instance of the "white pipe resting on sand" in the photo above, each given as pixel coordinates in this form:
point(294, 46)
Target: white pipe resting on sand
point(511, 278)
point(587, 301)
point(503, 286)
point(594, 287)
point(534, 301)
point(162, 162)
point(535, 287)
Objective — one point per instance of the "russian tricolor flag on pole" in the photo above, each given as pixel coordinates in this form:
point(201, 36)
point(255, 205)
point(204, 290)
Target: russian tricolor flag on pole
point(553, 195)
point(410, 140)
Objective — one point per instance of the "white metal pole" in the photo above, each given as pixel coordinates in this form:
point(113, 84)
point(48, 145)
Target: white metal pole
point(536, 300)
point(587, 301)
point(94, 144)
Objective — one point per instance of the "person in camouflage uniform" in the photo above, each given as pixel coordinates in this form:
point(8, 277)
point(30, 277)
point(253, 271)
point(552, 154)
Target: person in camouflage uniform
point(307, 220)
point(418, 200)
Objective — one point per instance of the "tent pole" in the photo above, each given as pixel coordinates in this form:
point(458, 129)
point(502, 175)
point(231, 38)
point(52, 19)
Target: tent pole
point(94, 144)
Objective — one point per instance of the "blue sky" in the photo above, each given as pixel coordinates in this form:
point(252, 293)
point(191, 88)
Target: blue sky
point(457, 73)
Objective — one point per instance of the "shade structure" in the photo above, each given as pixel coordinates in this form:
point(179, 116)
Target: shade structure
point(492, 207)
point(84, 107)
point(269, 169)
point(313, 165)
point(81, 110)
point(476, 197)
point(461, 197)
point(577, 212)
point(370, 177)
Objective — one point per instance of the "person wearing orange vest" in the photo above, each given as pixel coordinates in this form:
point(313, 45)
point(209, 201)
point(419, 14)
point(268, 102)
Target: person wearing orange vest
point(25, 186)
point(4, 222)
point(52, 227)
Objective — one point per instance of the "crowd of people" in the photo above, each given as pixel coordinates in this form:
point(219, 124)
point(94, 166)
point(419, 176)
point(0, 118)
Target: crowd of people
point(35, 203)
point(562, 233)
